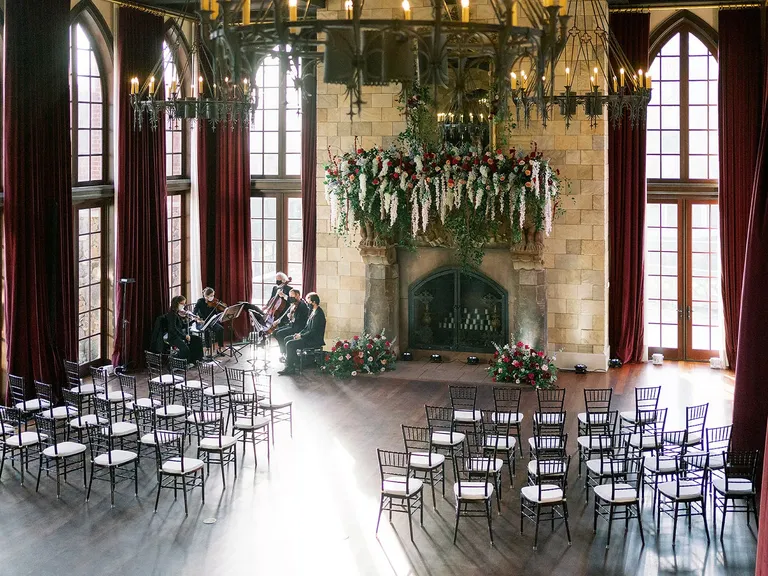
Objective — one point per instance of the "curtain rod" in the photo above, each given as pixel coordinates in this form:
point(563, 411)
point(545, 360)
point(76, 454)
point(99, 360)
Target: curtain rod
point(153, 10)
point(701, 5)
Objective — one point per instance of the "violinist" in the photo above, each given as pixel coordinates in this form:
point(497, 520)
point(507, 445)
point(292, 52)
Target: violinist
point(204, 307)
point(190, 346)
point(293, 321)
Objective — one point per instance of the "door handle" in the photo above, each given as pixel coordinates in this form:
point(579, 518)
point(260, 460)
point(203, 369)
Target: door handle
point(688, 312)
point(680, 313)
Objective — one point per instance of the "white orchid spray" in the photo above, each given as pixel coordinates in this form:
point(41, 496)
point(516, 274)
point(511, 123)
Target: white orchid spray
point(535, 184)
point(522, 207)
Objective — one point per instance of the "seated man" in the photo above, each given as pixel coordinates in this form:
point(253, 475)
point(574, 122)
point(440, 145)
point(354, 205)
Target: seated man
point(293, 321)
point(311, 337)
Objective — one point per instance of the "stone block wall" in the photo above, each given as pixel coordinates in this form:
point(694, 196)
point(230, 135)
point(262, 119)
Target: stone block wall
point(575, 257)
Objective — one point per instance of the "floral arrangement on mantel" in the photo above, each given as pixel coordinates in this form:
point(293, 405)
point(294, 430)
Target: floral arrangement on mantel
point(394, 198)
point(363, 354)
point(521, 364)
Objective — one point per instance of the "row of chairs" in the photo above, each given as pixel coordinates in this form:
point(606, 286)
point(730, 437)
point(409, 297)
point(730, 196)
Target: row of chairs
point(123, 425)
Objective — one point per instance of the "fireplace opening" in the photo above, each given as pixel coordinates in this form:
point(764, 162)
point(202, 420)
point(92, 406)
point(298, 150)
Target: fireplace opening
point(454, 309)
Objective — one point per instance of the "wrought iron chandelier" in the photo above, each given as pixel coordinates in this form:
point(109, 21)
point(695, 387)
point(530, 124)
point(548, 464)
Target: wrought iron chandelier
point(438, 51)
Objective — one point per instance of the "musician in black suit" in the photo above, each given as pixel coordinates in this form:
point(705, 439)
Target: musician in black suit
point(311, 337)
point(293, 321)
point(204, 307)
point(190, 347)
point(281, 288)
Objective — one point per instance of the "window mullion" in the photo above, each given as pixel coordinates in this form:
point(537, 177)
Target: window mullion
point(684, 108)
point(281, 124)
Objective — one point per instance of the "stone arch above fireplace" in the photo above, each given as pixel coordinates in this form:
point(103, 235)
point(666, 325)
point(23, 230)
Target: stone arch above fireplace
point(456, 309)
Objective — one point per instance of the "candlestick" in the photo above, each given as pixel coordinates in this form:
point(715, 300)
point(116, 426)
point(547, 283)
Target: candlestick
point(514, 13)
point(406, 9)
point(648, 81)
point(640, 85)
point(513, 80)
point(349, 9)
point(621, 80)
point(173, 87)
point(293, 10)
point(200, 87)
point(214, 9)
point(246, 12)
point(465, 11)
point(567, 77)
point(152, 86)
point(205, 5)
point(563, 7)
point(615, 85)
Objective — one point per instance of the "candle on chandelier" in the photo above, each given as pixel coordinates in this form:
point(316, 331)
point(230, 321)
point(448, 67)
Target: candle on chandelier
point(513, 80)
point(214, 9)
point(152, 86)
point(594, 81)
point(471, 118)
point(567, 77)
point(246, 12)
point(293, 10)
point(205, 5)
point(648, 81)
point(174, 84)
point(245, 86)
point(465, 11)
point(349, 9)
point(563, 7)
point(514, 13)
point(524, 80)
point(200, 87)
point(615, 84)
point(406, 9)
point(621, 79)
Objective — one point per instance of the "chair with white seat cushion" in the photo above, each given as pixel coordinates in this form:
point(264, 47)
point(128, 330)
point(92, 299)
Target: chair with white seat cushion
point(170, 415)
point(203, 421)
point(464, 404)
point(110, 464)
point(76, 384)
point(173, 468)
point(596, 401)
point(78, 424)
point(473, 488)
point(62, 457)
point(248, 424)
point(20, 400)
point(24, 446)
point(445, 440)
point(498, 438)
point(695, 421)
point(145, 418)
point(646, 398)
point(736, 485)
point(597, 424)
point(61, 414)
point(684, 495)
point(602, 469)
point(155, 364)
point(180, 374)
point(216, 394)
point(130, 395)
point(548, 431)
point(218, 447)
point(545, 500)
point(661, 464)
point(400, 490)
point(506, 400)
point(619, 499)
point(718, 443)
point(550, 400)
point(426, 464)
point(116, 397)
point(650, 426)
point(279, 410)
point(485, 462)
point(125, 431)
point(236, 383)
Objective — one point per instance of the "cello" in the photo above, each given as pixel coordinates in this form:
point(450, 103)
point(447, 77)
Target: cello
point(275, 308)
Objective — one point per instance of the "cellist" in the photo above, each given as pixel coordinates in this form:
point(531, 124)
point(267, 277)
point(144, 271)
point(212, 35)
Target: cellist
point(204, 307)
point(279, 290)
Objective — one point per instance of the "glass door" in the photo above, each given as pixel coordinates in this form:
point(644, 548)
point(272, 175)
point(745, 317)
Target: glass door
point(682, 279)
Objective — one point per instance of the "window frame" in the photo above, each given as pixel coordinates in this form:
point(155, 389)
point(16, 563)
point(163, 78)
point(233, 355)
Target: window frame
point(184, 193)
point(83, 21)
point(281, 125)
point(174, 37)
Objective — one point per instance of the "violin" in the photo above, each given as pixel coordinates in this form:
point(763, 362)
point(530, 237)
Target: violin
point(190, 315)
point(217, 305)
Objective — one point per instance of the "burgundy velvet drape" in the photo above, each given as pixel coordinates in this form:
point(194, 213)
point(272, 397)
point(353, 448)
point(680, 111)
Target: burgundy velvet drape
point(739, 132)
point(309, 182)
point(750, 403)
point(626, 206)
point(41, 312)
point(224, 187)
point(142, 249)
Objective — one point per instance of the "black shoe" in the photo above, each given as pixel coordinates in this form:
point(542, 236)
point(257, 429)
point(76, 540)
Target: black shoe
point(287, 371)
point(282, 359)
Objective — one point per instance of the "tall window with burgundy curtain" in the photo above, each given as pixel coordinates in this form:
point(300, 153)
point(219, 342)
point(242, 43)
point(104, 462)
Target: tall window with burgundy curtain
point(739, 96)
point(626, 206)
point(142, 250)
point(309, 179)
point(41, 314)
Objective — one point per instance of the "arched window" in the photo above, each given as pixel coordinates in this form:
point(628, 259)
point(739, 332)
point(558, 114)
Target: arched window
point(276, 128)
point(174, 129)
point(87, 97)
point(682, 265)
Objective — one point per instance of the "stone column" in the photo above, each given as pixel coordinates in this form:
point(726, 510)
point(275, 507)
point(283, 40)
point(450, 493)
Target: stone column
point(529, 306)
point(382, 290)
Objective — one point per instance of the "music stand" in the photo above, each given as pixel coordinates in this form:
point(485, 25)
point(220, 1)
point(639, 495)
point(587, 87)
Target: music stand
point(230, 314)
point(207, 325)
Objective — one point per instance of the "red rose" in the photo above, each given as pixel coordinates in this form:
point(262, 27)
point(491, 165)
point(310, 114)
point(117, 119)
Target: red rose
point(506, 359)
point(516, 364)
point(356, 338)
point(370, 346)
point(527, 347)
point(327, 358)
point(375, 181)
point(519, 344)
point(346, 345)
point(387, 344)
point(541, 354)
point(360, 150)
point(396, 176)
point(496, 354)
point(333, 349)
point(530, 376)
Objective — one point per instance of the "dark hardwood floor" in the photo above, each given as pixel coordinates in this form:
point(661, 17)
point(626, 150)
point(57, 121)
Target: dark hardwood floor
point(312, 509)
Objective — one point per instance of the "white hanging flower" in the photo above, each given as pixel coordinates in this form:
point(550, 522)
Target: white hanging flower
point(363, 189)
point(535, 184)
point(393, 209)
point(414, 212)
point(522, 207)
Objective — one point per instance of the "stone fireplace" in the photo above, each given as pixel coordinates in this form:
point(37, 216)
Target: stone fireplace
point(505, 298)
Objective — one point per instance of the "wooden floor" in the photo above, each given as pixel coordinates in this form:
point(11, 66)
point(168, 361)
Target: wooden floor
point(312, 509)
